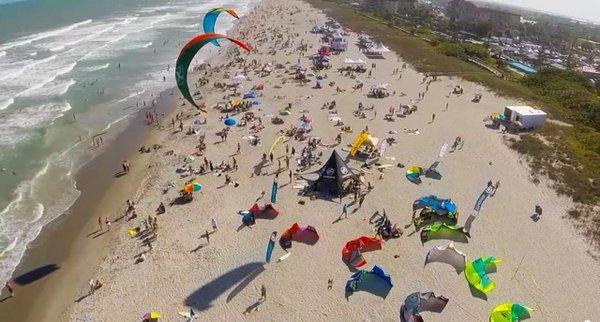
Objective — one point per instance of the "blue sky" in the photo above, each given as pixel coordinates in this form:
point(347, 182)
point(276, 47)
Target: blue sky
point(583, 9)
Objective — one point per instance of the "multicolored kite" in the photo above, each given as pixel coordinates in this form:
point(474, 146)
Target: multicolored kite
point(210, 19)
point(509, 312)
point(187, 55)
point(476, 273)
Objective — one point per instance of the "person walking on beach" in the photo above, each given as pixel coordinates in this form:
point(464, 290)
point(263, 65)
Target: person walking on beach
point(361, 200)
point(263, 293)
point(10, 289)
point(214, 223)
point(100, 223)
point(432, 118)
point(344, 211)
point(207, 235)
point(239, 148)
point(446, 106)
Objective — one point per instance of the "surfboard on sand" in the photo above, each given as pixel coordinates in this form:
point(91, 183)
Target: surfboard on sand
point(270, 247)
point(283, 257)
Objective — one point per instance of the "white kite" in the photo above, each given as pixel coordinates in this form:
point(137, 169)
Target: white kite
point(447, 254)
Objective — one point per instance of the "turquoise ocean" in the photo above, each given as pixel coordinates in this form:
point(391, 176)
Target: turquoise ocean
point(59, 60)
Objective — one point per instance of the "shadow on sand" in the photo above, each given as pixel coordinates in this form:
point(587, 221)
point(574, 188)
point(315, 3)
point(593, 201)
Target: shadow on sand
point(239, 277)
point(36, 274)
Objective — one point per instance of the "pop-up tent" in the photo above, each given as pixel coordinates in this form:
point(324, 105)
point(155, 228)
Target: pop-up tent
point(350, 61)
point(332, 176)
point(352, 251)
point(307, 235)
point(375, 281)
point(419, 302)
point(476, 272)
point(363, 139)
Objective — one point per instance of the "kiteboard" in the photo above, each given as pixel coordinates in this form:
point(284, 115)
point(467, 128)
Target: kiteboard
point(283, 257)
point(274, 192)
point(270, 247)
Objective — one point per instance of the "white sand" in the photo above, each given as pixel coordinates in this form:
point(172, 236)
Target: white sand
point(545, 264)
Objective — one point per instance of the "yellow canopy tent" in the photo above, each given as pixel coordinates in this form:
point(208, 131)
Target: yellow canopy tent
point(363, 138)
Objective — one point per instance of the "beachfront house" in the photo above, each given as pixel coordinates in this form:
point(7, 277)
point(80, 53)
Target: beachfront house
point(472, 13)
point(524, 117)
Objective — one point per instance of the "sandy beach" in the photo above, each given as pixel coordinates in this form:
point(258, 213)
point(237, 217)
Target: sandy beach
point(545, 265)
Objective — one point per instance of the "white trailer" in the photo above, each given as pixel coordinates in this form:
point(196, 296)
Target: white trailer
point(525, 117)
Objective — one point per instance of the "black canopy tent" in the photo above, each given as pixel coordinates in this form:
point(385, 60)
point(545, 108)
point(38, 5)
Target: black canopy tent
point(332, 176)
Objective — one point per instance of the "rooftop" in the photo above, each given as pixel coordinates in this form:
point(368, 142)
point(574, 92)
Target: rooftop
point(526, 110)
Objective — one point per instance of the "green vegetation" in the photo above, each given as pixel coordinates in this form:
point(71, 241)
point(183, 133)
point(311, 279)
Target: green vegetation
point(463, 50)
point(571, 90)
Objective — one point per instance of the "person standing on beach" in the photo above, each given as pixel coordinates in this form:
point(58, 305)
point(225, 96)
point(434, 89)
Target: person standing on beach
point(207, 235)
point(239, 148)
point(446, 106)
point(107, 224)
point(432, 117)
point(361, 200)
point(100, 223)
point(9, 288)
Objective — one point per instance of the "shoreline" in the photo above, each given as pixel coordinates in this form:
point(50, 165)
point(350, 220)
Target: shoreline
point(40, 252)
point(67, 241)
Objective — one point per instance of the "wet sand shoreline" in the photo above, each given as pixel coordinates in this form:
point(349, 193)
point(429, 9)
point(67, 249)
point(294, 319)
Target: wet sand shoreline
point(71, 242)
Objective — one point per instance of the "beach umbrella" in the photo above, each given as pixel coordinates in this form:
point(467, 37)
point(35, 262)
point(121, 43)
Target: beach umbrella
point(509, 312)
point(189, 159)
point(230, 121)
point(192, 187)
point(152, 316)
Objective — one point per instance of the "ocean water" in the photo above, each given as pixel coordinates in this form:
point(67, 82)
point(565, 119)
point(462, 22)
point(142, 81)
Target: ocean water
point(60, 59)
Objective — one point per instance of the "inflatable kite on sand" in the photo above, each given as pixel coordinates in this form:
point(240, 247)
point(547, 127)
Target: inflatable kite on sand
point(509, 312)
point(476, 273)
point(375, 281)
point(187, 55)
point(419, 302)
point(352, 251)
point(440, 230)
point(447, 254)
point(307, 235)
point(210, 20)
